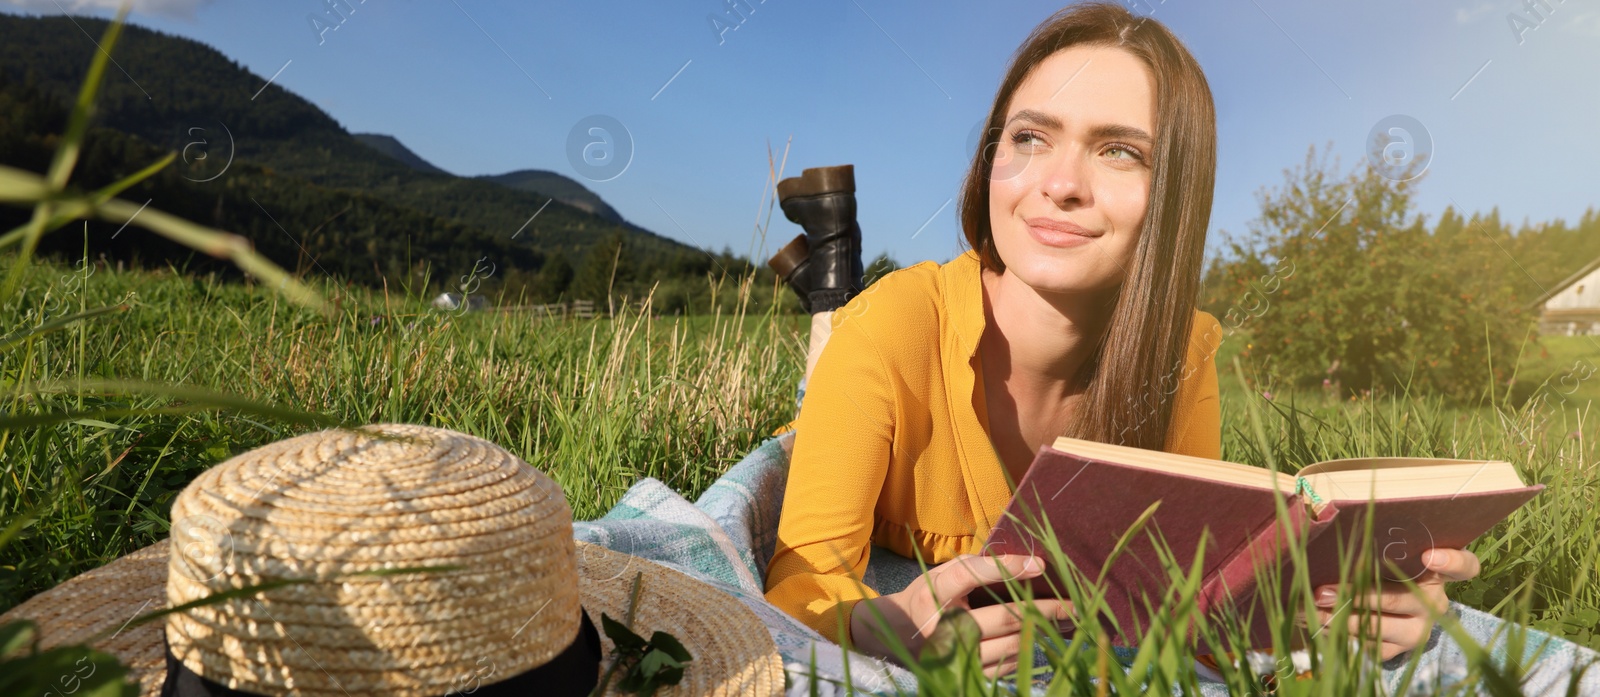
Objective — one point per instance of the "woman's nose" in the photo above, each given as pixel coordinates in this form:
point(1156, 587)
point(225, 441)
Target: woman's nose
point(1065, 180)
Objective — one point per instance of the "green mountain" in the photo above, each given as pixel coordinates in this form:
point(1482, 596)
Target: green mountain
point(303, 227)
point(560, 187)
point(391, 146)
point(269, 165)
point(539, 181)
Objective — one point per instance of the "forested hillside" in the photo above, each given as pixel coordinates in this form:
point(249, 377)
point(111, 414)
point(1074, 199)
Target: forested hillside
point(285, 174)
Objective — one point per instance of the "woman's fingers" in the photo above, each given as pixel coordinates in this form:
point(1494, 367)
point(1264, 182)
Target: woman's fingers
point(961, 575)
point(1006, 618)
point(1399, 631)
point(999, 649)
point(1000, 655)
point(1452, 564)
point(1395, 616)
point(1003, 669)
point(1389, 650)
point(1392, 600)
point(1394, 634)
point(1396, 599)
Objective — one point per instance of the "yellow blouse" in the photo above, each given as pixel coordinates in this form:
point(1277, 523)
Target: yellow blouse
point(892, 445)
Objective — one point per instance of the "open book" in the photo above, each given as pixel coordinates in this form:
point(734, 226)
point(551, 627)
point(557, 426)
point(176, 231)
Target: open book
point(1092, 493)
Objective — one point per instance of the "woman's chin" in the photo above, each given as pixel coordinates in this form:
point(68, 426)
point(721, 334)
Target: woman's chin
point(1065, 287)
point(1049, 274)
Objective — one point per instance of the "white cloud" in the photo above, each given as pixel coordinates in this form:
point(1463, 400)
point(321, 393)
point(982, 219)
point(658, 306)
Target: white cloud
point(1465, 14)
point(1585, 24)
point(182, 9)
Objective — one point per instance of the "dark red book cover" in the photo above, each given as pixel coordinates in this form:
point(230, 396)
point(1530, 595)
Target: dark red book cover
point(1091, 502)
point(1403, 528)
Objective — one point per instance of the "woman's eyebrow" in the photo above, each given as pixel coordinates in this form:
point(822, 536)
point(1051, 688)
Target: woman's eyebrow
point(1117, 130)
point(1100, 132)
point(1037, 117)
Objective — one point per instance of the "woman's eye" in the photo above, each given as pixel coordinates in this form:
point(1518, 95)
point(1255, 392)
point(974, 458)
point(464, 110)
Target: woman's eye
point(1022, 137)
point(1131, 154)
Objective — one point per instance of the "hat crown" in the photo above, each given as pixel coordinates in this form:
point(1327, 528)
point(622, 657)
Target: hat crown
point(343, 510)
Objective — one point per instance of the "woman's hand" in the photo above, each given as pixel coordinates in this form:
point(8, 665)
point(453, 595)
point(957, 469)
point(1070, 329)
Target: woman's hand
point(1400, 620)
point(913, 612)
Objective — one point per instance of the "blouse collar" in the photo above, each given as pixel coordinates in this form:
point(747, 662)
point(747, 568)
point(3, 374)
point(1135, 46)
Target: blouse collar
point(963, 282)
point(989, 492)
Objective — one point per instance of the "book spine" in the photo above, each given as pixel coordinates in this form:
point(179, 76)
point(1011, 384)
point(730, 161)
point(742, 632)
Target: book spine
point(1233, 585)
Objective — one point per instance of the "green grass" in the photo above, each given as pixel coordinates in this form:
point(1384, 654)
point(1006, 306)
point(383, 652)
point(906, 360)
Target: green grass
point(600, 403)
point(1574, 361)
point(595, 403)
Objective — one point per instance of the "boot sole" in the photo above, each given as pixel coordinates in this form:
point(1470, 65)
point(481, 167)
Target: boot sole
point(816, 181)
point(785, 261)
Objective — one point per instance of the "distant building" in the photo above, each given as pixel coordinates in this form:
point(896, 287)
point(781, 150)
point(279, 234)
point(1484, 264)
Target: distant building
point(452, 301)
point(1572, 307)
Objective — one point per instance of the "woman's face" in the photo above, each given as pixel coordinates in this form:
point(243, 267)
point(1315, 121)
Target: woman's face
point(1074, 153)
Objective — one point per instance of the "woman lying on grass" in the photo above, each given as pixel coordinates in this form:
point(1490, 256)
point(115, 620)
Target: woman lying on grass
point(1086, 210)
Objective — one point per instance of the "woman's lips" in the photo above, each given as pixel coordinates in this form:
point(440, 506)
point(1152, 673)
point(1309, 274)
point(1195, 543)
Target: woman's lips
point(1054, 233)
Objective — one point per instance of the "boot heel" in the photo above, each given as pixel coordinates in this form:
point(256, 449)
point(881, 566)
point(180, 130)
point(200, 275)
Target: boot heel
point(819, 180)
point(785, 261)
point(791, 264)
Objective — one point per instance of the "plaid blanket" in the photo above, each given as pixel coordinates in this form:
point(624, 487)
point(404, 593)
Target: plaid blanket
point(727, 537)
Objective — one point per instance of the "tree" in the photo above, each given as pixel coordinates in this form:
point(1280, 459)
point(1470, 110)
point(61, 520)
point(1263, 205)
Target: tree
point(553, 279)
point(606, 270)
point(878, 268)
point(1339, 281)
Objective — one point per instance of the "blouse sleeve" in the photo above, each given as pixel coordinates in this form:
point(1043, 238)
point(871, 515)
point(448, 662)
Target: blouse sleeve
point(843, 439)
point(1196, 427)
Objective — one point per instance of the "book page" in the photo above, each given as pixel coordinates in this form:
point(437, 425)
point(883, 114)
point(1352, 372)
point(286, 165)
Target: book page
point(1216, 470)
point(1355, 479)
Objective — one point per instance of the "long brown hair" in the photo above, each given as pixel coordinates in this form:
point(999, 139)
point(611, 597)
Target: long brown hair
point(1128, 399)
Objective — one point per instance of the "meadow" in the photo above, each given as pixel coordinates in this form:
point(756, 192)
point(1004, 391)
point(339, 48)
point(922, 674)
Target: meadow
point(595, 403)
point(600, 403)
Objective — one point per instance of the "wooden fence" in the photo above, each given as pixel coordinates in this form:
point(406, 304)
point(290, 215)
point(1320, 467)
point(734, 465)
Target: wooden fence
point(576, 309)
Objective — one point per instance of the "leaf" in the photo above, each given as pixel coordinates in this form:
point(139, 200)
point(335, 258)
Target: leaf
point(651, 664)
point(17, 522)
point(623, 637)
point(1586, 617)
point(198, 237)
point(16, 635)
point(198, 398)
point(656, 661)
point(66, 670)
point(69, 209)
point(102, 424)
point(55, 325)
point(955, 630)
point(670, 676)
point(670, 644)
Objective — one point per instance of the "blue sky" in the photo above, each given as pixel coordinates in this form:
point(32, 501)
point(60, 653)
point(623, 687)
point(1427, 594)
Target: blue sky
point(896, 87)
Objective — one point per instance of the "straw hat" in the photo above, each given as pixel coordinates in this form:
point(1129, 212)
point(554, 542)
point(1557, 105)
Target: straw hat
point(518, 607)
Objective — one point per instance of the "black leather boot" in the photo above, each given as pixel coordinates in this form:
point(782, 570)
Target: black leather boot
point(823, 201)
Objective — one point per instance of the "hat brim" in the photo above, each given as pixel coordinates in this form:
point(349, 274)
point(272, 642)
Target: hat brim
point(732, 651)
point(108, 597)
